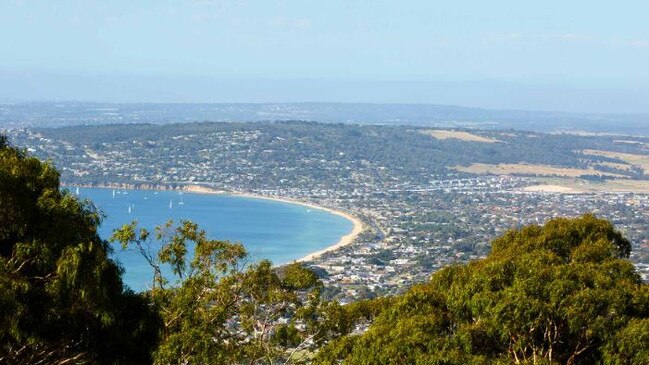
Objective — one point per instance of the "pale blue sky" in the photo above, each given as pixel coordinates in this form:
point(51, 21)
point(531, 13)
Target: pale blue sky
point(553, 55)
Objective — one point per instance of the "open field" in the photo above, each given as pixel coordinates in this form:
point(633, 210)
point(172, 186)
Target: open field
point(551, 188)
point(463, 136)
point(528, 169)
point(568, 186)
point(641, 161)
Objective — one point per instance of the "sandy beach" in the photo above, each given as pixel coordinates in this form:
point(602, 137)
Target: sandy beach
point(344, 240)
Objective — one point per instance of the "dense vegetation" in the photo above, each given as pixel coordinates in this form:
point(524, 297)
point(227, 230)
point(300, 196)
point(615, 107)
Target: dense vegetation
point(61, 296)
point(559, 293)
point(215, 310)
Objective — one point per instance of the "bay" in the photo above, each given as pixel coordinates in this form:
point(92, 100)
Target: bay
point(274, 230)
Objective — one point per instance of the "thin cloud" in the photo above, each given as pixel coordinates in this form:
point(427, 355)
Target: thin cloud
point(574, 38)
point(284, 22)
point(634, 43)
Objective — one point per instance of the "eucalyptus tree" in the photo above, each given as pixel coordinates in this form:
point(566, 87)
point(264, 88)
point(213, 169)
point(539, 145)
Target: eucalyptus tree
point(216, 306)
point(61, 296)
point(562, 293)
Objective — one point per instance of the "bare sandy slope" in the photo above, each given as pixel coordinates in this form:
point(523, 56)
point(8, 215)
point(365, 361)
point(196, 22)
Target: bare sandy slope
point(576, 186)
point(551, 189)
point(529, 169)
point(641, 161)
point(463, 136)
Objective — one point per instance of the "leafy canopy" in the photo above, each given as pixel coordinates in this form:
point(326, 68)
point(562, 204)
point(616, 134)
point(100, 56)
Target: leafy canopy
point(215, 308)
point(560, 293)
point(61, 296)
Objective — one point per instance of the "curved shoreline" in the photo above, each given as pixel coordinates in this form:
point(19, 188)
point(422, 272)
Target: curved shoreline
point(345, 240)
point(358, 225)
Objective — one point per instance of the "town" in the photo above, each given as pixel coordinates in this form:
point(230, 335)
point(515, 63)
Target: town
point(419, 215)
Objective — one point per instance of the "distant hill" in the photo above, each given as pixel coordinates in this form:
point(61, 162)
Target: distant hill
point(77, 113)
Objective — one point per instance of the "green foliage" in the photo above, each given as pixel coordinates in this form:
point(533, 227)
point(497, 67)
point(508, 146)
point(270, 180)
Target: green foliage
point(630, 345)
point(295, 276)
point(214, 308)
point(61, 297)
point(560, 293)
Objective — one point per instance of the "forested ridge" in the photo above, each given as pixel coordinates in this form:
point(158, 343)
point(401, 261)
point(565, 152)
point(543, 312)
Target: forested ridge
point(301, 154)
point(561, 293)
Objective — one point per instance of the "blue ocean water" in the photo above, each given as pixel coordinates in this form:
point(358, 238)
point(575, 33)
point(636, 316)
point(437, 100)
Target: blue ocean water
point(278, 231)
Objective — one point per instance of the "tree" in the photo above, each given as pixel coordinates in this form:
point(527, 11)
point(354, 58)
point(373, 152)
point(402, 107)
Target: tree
point(561, 293)
point(630, 344)
point(61, 296)
point(215, 308)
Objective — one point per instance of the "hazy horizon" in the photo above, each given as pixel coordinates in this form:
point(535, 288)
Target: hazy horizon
point(486, 94)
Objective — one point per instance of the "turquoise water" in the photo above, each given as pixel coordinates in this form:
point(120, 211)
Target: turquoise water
point(278, 231)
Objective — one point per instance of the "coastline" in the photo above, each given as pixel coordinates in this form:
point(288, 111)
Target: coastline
point(358, 225)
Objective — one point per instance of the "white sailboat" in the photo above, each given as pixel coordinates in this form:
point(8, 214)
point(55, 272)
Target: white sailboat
point(113, 193)
point(171, 204)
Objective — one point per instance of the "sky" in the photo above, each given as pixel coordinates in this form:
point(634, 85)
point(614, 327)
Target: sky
point(589, 56)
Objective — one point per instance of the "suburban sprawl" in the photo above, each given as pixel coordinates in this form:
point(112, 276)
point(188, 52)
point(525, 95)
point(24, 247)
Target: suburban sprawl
point(427, 197)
